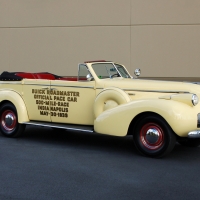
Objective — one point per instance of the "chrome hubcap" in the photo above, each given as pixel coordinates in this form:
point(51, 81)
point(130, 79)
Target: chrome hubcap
point(8, 120)
point(152, 136)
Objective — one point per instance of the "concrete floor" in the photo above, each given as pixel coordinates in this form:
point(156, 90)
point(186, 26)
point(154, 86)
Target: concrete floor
point(48, 164)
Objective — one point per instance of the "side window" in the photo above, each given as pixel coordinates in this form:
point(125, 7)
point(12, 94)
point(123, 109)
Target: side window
point(83, 73)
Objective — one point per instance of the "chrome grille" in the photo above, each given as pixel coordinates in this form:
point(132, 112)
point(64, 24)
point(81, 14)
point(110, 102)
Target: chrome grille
point(198, 120)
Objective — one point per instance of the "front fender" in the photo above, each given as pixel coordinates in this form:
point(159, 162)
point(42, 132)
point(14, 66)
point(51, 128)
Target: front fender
point(181, 117)
point(17, 101)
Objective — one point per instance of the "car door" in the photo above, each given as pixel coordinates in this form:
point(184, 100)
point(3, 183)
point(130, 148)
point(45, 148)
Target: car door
point(37, 99)
point(72, 102)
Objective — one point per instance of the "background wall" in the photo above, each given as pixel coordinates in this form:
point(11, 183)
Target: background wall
point(162, 38)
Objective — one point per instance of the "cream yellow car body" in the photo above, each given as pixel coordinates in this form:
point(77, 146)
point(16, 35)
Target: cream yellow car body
point(171, 100)
point(110, 105)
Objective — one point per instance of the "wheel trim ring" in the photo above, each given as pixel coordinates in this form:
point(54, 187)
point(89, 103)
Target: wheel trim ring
point(5, 115)
point(143, 136)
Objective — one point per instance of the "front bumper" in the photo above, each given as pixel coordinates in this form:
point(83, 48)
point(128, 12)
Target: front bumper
point(194, 134)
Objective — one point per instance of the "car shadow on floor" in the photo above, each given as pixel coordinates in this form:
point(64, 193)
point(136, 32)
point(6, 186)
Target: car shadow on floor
point(58, 138)
point(81, 140)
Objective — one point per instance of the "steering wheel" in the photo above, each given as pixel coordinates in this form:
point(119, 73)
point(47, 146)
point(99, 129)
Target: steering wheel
point(114, 75)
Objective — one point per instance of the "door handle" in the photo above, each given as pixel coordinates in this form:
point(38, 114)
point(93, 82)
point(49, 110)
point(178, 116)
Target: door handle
point(53, 89)
point(45, 88)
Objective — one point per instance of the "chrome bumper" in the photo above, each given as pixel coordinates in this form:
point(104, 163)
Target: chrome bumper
point(194, 134)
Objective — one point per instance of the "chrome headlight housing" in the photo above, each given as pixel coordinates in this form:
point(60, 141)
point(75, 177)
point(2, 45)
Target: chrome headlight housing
point(195, 99)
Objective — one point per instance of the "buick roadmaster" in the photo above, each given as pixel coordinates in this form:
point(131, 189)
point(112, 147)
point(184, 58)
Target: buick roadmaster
point(104, 98)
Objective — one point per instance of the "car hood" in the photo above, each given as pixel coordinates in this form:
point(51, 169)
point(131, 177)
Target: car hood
point(152, 85)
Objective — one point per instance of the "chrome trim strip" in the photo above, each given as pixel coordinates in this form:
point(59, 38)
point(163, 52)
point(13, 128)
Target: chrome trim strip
point(15, 83)
point(91, 87)
point(62, 126)
point(99, 88)
point(160, 91)
point(36, 84)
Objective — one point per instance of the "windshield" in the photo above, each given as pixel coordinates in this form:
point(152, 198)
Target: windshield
point(109, 70)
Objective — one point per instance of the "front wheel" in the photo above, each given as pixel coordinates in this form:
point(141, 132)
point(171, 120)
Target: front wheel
point(9, 125)
point(153, 137)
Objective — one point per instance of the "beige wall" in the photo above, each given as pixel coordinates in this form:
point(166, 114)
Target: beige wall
point(160, 37)
point(165, 37)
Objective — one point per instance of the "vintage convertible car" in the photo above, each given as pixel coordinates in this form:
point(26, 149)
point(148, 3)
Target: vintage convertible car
point(105, 99)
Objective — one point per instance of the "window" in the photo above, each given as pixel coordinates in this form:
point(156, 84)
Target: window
point(84, 73)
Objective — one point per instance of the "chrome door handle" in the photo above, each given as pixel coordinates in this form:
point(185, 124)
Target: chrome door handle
point(53, 89)
point(45, 88)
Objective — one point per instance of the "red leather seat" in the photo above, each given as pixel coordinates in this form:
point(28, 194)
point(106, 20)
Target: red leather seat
point(44, 76)
point(25, 75)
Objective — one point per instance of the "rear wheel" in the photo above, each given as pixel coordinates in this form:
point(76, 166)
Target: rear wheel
point(9, 125)
point(153, 137)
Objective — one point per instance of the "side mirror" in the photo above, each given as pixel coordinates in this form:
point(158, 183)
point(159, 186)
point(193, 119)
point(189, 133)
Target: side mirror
point(137, 72)
point(89, 77)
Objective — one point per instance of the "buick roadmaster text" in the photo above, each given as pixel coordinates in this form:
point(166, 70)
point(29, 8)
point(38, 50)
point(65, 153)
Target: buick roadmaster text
point(103, 98)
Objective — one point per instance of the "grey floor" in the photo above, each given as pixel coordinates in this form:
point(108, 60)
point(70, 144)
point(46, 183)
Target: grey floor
point(50, 164)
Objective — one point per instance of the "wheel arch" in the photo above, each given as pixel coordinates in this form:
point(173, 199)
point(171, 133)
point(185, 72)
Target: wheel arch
point(139, 116)
point(15, 99)
point(152, 135)
point(4, 102)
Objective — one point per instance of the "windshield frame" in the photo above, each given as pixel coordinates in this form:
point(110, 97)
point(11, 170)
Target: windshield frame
point(126, 73)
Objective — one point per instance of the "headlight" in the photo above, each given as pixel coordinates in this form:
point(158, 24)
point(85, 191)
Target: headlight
point(195, 99)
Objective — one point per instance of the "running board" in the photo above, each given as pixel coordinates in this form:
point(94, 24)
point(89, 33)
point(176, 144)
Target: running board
point(73, 127)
